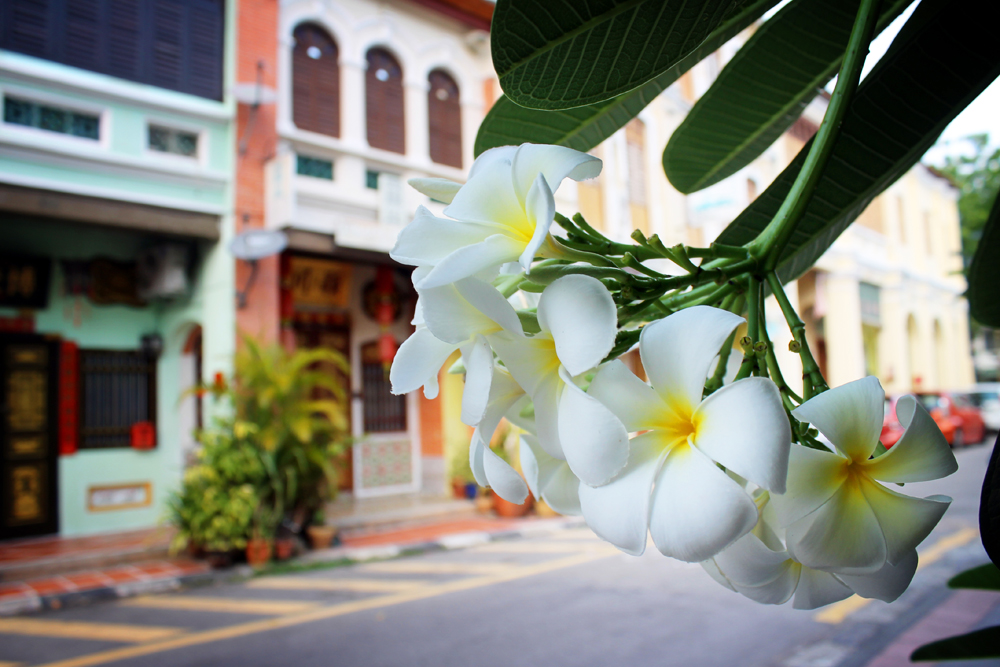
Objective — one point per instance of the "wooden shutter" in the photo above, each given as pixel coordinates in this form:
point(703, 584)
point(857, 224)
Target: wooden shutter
point(444, 114)
point(174, 44)
point(384, 102)
point(27, 27)
point(315, 81)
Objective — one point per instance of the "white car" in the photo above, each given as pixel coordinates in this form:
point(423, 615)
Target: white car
point(986, 397)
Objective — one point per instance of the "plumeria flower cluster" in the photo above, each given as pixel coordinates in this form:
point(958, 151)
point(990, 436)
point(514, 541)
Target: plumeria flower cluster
point(724, 472)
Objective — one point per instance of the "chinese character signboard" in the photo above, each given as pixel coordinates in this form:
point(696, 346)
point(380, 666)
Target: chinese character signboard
point(24, 281)
point(319, 283)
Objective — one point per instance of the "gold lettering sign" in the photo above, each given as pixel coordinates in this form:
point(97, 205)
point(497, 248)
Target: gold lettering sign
point(27, 355)
point(26, 399)
point(28, 503)
point(119, 497)
point(26, 445)
point(320, 282)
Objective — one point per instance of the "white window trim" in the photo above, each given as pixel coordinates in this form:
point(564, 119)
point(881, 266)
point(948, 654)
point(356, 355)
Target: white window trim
point(200, 158)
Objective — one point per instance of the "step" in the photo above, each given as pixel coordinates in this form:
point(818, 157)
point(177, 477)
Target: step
point(356, 517)
point(46, 556)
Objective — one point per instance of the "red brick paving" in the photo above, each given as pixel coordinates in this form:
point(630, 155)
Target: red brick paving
point(41, 548)
point(957, 615)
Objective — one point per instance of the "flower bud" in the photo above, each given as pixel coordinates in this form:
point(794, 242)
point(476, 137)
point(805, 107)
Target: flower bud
point(746, 343)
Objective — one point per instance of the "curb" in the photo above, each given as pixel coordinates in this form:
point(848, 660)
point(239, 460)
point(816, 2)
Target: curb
point(33, 602)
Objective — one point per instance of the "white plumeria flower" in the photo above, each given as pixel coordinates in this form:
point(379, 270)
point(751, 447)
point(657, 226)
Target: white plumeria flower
point(672, 485)
point(502, 214)
point(836, 514)
point(578, 322)
point(489, 469)
point(460, 316)
point(549, 478)
point(759, 567)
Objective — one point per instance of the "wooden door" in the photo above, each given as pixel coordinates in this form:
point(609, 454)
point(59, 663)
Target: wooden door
point(28, 447)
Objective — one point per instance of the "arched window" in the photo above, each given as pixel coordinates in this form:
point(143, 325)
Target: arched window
point(384, 102)
point(444, 119)
point(315, 81)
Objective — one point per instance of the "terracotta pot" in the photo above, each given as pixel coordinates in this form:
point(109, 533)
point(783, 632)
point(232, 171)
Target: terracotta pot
point(509, 509)
point(457, 488)
point(320, 537)
point(258, 552)
point(484, 502)
point(283, 548)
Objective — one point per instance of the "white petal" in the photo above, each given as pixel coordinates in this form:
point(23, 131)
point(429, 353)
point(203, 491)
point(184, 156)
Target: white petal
point(450, 316)
point(428, 239)
point(619, 511)
point(713, 571)
point(888, 583)
point(417, 360)
point(817, 589)
point(843, 534)
point(678, 351)
point(546, 400)
point(633, 401)
point(503, 479)
point(905, 520)
point(431, 387)
point(471, 260)
point(744, 427)
point(439, 189)
point(813, 477)
point(540, 209)
point(554, 163)
point(748, 562)
point(478, 359)
point(488, 197)
point(514, 416)
point(920, 455)
point(550, 479)
point(503, 393)
point(530, 360)
point(849, 415)
point(697, 509)
point(490, 302)
point(594, 441)
point(581, 315)
point(477, 454)
point(778, 590)
point(501, 154)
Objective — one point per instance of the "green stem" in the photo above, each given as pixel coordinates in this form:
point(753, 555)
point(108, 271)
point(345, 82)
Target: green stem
point(772, 240)
point(812, 378)
point(718, 377)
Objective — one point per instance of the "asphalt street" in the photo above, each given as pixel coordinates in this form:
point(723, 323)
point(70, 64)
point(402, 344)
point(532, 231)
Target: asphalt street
point(560, 598)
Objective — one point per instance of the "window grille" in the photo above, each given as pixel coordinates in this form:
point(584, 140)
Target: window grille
point(371, 179)
point(383, 411)
point(50, 118)
point(315, 167)
point(178, 142)
point(117, 390)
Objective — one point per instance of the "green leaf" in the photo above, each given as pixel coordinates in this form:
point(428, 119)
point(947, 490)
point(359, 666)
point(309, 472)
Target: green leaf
point(584, 127)
point(763, 90)
point(984, 272)
point(976, 645)
point(936, 66)
point(986, 577)
point(989, 507)
point(559, 54)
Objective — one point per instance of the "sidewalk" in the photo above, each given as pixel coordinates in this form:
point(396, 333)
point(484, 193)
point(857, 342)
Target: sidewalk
point(114, 566)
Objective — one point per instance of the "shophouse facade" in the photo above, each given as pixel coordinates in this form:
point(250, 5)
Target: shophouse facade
point(116, 290)
point(368, 95)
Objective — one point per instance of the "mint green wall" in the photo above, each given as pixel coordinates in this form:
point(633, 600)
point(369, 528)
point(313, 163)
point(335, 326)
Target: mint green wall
point(120, 327)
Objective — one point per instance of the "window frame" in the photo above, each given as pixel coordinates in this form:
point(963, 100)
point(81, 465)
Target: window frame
point(151, 397)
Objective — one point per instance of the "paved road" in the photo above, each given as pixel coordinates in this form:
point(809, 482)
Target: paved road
point(561, 598)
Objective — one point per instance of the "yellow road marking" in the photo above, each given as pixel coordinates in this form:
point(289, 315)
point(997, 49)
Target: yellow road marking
point(313, 584)
point(4, 663)
point(243, 629)
point(109, 632)
point(223, 605)
point(532, 547)
point(435, 567)
point(836, 613)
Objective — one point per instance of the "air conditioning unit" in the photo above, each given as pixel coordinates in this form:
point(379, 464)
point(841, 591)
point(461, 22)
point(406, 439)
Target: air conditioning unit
point(162, 272)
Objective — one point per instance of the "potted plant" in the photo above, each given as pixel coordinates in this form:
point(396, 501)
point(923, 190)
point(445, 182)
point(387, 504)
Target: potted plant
point(261, 543)
point(320, 534)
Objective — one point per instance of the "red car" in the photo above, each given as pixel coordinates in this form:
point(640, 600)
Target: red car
point(959, 420)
